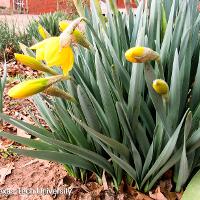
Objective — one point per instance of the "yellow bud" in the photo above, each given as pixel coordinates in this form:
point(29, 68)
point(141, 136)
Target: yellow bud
point(160, 86)
point(31, 87)
point(33, 63)
point(42, 31)
point(141, 55)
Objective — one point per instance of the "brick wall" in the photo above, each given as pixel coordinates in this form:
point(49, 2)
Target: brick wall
point(44, 6)
point(120, 4)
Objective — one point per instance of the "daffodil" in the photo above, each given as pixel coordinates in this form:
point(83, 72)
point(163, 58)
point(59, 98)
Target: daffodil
point(78, 36)
point(141, 54)
point(33, 63)
point(51, 52)
point(31, 87)
point(160, 86)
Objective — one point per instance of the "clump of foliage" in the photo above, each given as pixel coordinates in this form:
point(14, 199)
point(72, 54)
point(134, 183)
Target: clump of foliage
point(10, 38)
point(50, 22)
point(119, 119)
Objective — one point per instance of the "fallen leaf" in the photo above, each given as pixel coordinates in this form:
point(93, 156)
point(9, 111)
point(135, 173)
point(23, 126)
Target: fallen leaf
point(5, 171)
point(105, 184)
point(158, 195)
point(22, 133)
point(5, 143)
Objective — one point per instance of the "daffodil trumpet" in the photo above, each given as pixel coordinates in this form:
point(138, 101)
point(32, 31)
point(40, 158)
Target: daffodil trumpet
point(31, 87)
point(141, 54)
point(33, 63)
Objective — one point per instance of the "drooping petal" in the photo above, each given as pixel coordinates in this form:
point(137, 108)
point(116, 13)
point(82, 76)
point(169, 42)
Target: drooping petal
point(40, 44)
point(51, 52)
point(67, 63)
point(40, 53)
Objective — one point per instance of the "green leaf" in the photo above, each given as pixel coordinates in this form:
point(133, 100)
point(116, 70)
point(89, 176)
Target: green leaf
point(166, 152)
point(174, 101)
point(156, 99)
point(107, 100)
point(84, 153)
point(192, 191)
point(115, 145)
point(184, 165)
point(60, 157)
point(37, 144)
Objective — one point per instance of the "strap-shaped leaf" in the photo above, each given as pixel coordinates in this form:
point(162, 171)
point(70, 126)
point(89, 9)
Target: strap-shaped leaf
point(166, 153)
point(109, 107)
point(184, 165)
point(192, 191)
point(156, 99)
point(174, 102)
point(37, 144)
point(115, 145)
point(60, 157)
point(84, 153)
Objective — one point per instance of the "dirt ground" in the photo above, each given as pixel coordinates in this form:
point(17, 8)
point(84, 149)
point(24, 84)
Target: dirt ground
point(19, 20)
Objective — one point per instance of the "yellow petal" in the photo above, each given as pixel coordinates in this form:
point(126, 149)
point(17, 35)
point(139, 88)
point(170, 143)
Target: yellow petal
point(67, 63)
point(160, 86)
point(134, 52)
point(40, 53)
point(63, 25)
point(54, 56)
point(51, 52)
point(40, 44)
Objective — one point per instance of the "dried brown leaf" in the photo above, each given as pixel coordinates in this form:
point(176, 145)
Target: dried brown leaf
point(5, 171)
point(157, 195)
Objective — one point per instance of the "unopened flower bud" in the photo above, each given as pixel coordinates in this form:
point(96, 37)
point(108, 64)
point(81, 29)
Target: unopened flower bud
point(160, 86)
point(141, 55)
point(31, 87)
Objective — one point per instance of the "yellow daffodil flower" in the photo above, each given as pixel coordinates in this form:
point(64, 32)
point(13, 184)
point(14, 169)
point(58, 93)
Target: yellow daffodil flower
point(33, 63)
point(31, 87)
point(49, 50)
point(141, 55)
point(78, 36)
point(160, 86)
